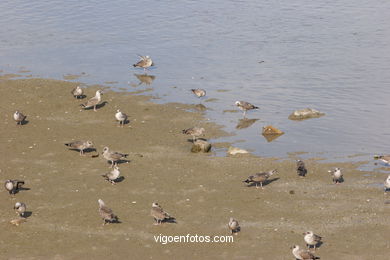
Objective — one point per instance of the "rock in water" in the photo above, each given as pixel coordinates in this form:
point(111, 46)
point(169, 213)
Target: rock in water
point(201, 146)
point(305, 113)
point(270, 130)
point(234, 150)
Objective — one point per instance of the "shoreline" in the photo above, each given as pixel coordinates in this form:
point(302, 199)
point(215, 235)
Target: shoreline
point(200, 190)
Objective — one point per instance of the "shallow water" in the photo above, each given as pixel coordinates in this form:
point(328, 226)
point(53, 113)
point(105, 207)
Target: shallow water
point(331, 56)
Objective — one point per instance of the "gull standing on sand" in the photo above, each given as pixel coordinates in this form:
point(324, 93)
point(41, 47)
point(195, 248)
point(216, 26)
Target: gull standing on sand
point(311, 239)
point(77, 92)
point(113, 157)
point(234, 226)
point(194, 132)
point(113, 175)
point(383, 158)
point(93, 102)
point(121, 117)
point(144, 62)
point(301, 169)
point(106, 213)
point(303, 254)
point(160, 215)
point(19, 117)
point(80, 145)
point(387, 183)
point(245, 106)
point(260, 178)
point(13, 186)
point(20, 208)
point(199, 92)
point(337, 175)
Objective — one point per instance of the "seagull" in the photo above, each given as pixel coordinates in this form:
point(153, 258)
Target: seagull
point(260, 177)
point(93, 102)
point(160, 215)
point(112, 175)
point(106, 213)
point(301, 169)
point(13, 186)
point(20, 208)
point(199, 92)
point(19, 117)
point(311, 239)
point(121, 117)
point(387, 183)
point(234, 226)
point(144, 62)
point(302, 254)
point(80, 145)
point(337, 175)
point(194, 132)
point(113, 157)
point(77, 92)
point(383, 158)
point(245, 106)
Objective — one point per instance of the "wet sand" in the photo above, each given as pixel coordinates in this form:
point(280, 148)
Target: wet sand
point(200, 190)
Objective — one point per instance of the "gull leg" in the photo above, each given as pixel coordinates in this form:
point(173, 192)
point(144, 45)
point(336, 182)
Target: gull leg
point(261, 185)
point(257, 186)
point(94, 108)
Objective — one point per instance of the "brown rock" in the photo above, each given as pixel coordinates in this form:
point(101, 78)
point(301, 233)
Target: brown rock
point(305, 113)
point(201, 146)
point(270, 130)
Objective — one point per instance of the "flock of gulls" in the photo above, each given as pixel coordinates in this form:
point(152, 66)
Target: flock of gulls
point(159, 215)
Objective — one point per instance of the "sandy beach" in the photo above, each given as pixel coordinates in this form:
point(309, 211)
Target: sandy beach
point(202, 191)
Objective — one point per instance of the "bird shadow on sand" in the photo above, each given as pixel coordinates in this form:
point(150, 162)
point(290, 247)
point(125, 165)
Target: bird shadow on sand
point(98, 106)
point(169, 220)
point(265, 183)
point(88, 150)
point(236, 231)
point(119, 162)
point(81, 97)
point(114, 221)
point(24, 122)
point(192, 141)
point(319, 244)
point(27, 214)
point(125, 122)
point(119, 179)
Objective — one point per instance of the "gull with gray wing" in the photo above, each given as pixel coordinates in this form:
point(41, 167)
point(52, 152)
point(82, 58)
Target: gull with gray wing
point(93, 102)
point(194, 132)
point(106, 213)
point(19, 117)
point(260, 178)
point(77, 92)
point(20, 208)
point(113, 175)
point(301, 169)
point(13, 186)
point(302, 254)
point(234, 226)
point(311, 239)
point(160, 215)
point(80, 145)
point(144, 62)
point(113, 157)
point(199, 92)
point(245, 106)
point(120, 117)
point(337, 175)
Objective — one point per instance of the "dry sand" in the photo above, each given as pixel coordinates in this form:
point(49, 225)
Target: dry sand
point(200, 190)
